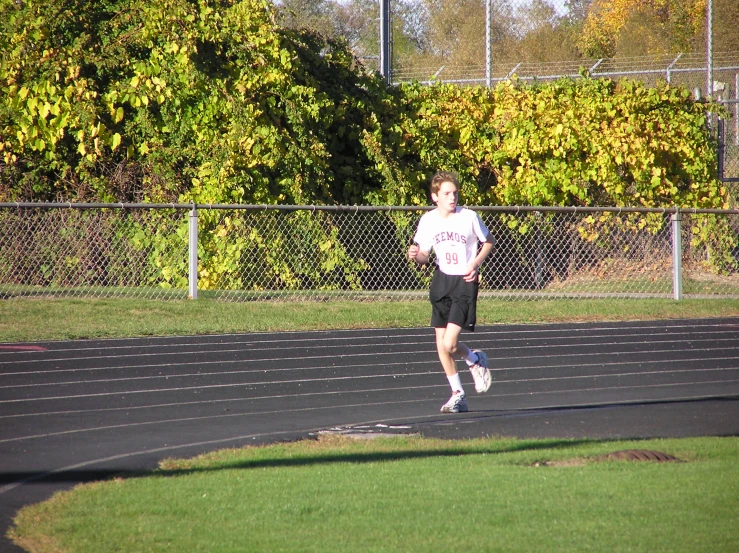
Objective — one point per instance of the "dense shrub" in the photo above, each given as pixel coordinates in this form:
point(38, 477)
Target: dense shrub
point(213, 102)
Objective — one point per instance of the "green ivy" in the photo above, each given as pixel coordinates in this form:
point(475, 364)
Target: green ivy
point(212, 102)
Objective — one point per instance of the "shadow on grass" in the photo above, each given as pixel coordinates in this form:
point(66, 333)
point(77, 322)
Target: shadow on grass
point(300, 459)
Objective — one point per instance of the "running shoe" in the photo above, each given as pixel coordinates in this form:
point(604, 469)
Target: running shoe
point(481, 372)
point(456, 404)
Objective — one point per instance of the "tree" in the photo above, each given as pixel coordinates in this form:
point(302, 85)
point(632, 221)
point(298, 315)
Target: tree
point(449, 34)
point(356, 22)
point(316, 15)
point(453, 34)
point(644, 33)
point(669, 25)
point(725, 28)
point(577, 10)
point(639, 27)
point(456, 31)
point(548, 37)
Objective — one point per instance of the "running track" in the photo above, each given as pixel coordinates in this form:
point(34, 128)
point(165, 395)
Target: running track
point(79, 411)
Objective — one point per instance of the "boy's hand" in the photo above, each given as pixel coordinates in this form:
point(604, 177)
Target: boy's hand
point(471, 274)
point(417, 254)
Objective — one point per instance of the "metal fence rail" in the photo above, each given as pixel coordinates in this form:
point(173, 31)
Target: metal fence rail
point(304, 253)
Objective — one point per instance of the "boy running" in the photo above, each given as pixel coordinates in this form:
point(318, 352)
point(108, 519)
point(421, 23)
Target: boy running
point(453, 233)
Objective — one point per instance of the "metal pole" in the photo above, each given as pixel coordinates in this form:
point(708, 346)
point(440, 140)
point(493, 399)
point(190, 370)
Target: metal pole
point(595, 66)
point(488, 43)
point(192, 247)
point(721, 135)
point(385, 40)
point(677, 257)
point(510, 74)
point(709, 48)
point(669, 68)
point(736, 110)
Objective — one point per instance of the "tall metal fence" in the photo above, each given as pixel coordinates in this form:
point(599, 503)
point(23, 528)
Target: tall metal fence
point(727, 130)
point(687, 69)
point(308, 253)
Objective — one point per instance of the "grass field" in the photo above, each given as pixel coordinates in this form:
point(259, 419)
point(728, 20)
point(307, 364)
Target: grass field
point(23, 320)
point(407, 494)
point(404, 494)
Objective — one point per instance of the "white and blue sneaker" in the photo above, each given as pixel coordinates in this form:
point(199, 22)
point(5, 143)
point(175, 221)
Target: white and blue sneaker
point(481, 372)
point(456, 404)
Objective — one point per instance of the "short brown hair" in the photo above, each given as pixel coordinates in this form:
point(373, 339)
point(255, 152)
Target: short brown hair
point(440, 178)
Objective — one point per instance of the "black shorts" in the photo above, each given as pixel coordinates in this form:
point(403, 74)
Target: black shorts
point(453, 300)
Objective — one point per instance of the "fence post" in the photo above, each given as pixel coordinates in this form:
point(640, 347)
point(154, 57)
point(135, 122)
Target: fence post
point(488, 43)
point(677, 256)
point(721, 136)
point(709, 49)
point(385, 42)
point(192, 247)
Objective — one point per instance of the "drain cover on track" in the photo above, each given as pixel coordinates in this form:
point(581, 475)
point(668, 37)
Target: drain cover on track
point(638, 455)
point(367, 432)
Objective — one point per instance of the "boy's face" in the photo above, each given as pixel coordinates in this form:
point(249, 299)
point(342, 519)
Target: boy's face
point(447, 197)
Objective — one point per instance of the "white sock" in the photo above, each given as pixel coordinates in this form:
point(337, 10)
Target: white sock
point(471, 358)
point(455, 382)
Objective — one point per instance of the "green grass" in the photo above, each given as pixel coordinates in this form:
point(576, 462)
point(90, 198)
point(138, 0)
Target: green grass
point(407, 494)
point(23, 320)
point(403, 494)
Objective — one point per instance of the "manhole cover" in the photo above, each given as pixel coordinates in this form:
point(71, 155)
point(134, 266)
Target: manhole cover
point(638, 455)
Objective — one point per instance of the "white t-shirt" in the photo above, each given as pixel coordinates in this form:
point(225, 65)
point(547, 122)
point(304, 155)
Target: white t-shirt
point(454, 239)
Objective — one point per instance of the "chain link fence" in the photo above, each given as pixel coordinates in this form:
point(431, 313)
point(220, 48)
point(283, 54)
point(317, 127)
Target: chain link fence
point(307, 253)
point(89, 251)
point(688, 70)
point(727, 130)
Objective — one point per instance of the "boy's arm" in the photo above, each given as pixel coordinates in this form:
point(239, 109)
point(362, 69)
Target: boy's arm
point(485, 250)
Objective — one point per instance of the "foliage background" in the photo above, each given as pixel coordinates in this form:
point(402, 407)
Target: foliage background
point(218, 102)
point(428, 34)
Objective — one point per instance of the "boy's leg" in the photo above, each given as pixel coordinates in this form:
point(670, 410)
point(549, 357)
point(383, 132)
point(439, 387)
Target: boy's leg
point(458, 402)
point(449, 347)
point(462, 314)
point(451, 343)
point(478, 365)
